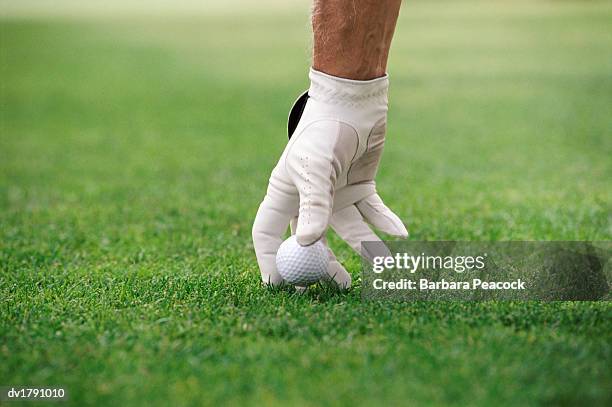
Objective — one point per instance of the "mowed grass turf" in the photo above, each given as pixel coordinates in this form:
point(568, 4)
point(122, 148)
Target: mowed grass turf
point(135, 150)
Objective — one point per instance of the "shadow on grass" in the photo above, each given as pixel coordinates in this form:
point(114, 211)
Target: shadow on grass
point(322, 291)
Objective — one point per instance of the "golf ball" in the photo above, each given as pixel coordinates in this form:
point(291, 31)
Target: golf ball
point(302, 265)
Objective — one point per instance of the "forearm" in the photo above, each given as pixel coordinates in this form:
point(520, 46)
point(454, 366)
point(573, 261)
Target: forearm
point(352, 37)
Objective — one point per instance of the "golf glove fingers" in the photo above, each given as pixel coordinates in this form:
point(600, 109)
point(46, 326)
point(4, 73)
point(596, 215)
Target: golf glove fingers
point(351, 225)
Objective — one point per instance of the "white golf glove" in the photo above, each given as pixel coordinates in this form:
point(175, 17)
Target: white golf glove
point(325, 175)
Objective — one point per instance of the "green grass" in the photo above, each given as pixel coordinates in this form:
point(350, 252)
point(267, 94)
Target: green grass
point(135, 150)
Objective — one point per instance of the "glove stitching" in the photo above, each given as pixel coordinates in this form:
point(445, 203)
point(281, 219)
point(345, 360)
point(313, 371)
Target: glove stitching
point(344, 98)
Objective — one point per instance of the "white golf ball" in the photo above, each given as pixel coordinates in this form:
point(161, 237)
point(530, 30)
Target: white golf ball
point(302, 265)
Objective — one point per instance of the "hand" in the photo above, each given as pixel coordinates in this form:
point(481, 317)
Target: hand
point(325, 175)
